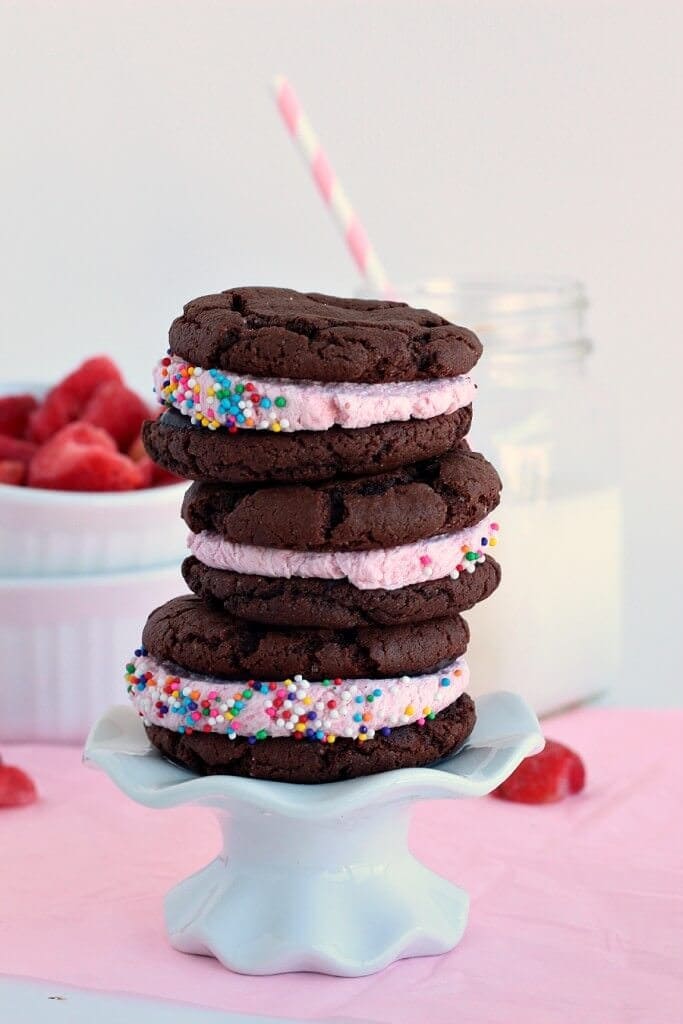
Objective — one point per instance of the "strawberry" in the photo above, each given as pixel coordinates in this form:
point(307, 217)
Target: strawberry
point(66, 400)
point(154, 475)
point(83, 433)
point(14, 413)
point(12, 471)
point(161, 477)
point(118, 410)
point(16, 450)
point(146, 468)
point(54, 413)
point(546, 777)
point(137, 452)
point(16, 788)
point(81, 457)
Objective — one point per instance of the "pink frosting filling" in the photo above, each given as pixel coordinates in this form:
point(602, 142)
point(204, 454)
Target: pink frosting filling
point(289, 405)
point(354, 708)
point(386, 568)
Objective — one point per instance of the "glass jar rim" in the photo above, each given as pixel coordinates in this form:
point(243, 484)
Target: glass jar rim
point(516, 315)
point(504, 296)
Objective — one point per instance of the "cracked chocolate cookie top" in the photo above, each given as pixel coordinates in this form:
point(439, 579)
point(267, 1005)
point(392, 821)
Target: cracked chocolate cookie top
point(278, 332)
point(438, 496)
point(187, 632)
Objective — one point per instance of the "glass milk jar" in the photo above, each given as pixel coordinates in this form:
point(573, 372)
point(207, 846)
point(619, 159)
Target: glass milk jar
point(551, 631)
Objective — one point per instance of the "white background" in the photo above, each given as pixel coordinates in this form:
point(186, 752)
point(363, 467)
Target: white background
point(142, 164)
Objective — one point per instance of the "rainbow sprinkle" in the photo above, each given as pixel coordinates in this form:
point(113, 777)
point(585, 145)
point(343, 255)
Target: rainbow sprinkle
point(472, 557)
point(212, 399)
point(295, 707)
point(289, 705)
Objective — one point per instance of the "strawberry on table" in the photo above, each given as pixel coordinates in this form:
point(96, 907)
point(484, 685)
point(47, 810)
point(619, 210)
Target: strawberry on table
point(81, 457)
point(68, 399)
point(14, 414)
point(118, 410)
point(552, 775)
point(16, 787)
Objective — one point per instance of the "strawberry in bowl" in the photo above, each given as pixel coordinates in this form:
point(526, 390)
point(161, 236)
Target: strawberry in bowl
point(78, 492)
point(83, 435)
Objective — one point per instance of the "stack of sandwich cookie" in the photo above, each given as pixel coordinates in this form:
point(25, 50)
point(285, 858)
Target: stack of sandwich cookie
point(339, 525)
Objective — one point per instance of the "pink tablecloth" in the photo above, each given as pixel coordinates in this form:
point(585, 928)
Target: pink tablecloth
point(576, 908)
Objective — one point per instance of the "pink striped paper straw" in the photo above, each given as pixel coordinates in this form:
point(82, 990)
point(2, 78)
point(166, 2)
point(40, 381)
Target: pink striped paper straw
point(330, 188)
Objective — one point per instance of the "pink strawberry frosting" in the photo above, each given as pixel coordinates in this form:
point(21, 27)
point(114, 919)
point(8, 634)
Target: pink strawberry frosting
point(386, 568)
point(211, 398)
point(352, 708)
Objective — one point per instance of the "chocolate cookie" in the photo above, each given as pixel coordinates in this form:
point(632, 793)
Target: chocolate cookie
point(337, 604)
point(442, 495)
point(188, 633)
point(253, 457)
point(284, 760)
point(277, 332)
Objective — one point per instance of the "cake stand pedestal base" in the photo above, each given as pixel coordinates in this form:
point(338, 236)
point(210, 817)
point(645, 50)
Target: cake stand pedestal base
point(316, 878)
point(344, 897)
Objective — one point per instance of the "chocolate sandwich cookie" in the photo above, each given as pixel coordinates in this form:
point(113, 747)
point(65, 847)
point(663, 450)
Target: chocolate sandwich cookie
point(278, 332)
point(248, 456)
point(283, 760)
point(187, 632)
point(337, 604)
point(442, 495)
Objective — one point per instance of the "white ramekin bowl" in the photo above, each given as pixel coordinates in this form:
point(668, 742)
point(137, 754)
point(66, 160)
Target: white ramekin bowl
point(65, 642)
point(64, 533)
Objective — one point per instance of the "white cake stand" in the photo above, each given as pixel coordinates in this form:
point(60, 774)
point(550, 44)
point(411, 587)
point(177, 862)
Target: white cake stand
point(316, 878)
